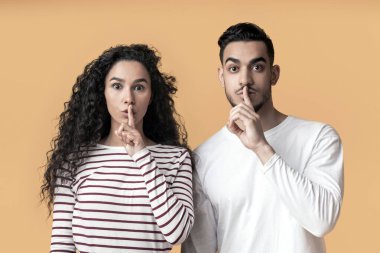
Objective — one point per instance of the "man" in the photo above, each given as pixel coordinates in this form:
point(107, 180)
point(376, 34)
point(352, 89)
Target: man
point(266, 182)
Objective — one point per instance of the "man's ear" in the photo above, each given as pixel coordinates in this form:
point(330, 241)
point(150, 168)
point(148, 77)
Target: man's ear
point(275, 74)
point(220, 76)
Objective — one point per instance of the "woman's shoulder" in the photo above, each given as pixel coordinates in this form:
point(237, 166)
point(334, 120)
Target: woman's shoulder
point(164, 148)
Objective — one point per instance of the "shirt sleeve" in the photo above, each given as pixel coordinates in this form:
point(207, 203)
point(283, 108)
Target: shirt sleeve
point(202, 238)
point(63, 206)
point(314, 196)
point(172, 205)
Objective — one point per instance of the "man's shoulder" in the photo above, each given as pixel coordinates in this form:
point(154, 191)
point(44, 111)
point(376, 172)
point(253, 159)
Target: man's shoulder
point(311, 127)
point(212, 142)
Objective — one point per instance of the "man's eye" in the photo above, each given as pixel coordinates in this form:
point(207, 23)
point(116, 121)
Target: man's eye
point(257, 67)
point(116, 86)
point(233, 69)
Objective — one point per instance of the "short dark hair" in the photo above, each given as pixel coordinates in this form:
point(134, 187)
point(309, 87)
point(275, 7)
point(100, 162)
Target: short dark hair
point(245, 32)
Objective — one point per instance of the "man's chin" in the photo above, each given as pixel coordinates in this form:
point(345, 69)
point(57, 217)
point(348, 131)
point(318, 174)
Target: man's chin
point(258, 107)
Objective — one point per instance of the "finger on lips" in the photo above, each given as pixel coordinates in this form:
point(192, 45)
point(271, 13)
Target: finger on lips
point(131, 119)
point(246, 97)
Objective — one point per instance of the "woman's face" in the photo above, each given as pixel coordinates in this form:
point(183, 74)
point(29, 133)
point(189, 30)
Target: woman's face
point(127, 83)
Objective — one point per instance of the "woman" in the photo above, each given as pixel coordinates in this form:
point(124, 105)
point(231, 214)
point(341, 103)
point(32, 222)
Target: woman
point(119, 174)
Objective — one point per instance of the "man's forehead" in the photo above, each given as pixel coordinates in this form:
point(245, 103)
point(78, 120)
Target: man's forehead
point(245, 50)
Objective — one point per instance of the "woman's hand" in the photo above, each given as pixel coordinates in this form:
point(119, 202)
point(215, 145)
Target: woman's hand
point(129, 135)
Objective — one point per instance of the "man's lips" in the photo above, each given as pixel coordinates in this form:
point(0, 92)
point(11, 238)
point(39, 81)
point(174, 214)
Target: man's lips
point(250, 92)
point(250, 89)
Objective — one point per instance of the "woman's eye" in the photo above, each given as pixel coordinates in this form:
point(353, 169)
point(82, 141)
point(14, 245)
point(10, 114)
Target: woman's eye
point(116, 86)
point(139, 87)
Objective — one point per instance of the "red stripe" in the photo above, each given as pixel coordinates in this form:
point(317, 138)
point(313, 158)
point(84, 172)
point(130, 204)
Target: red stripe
point(114, 180)
point(183, 230)
point(149, 171)
point(62, 243)
point(155, 208)
point(153, 179)
point(184, 177)
point(118, 221)
point(179, 187)
point(164, 152)
point(108, 166)
point(63, 194)
point(169, 221)
point(119, 238)
point(104, 154)
point(166, 212)
point(154, 188)
point(118, 229)
point(159, 195)
point(142, 157)
point(108, 211)
point(117, 174)
point(60, 211)
point(64, 251)
point(112, 160)
point(114, 195)
point(121, 247)
point(66, 228)
point(179, 182)
point(64, 203)
point(112, 203)
point(175, 228)
point(113, 187)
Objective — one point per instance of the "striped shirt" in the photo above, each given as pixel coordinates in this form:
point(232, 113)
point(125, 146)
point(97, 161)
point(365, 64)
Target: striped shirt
point(119, 203)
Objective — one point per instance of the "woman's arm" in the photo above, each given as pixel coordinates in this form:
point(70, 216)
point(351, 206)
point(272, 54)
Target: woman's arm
point(172, 205)
point(64, 202)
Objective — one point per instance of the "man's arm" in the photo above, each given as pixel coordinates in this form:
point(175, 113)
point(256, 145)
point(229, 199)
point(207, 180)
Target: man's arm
point(314, 196)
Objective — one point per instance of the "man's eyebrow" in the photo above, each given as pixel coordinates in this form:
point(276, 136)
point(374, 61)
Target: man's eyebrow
point(256, 60)
point(253, 61)
point(234, 60)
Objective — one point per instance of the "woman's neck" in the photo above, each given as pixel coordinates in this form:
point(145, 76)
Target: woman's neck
point(113, 140)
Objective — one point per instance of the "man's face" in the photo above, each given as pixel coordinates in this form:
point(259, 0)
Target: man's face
point(246, 63)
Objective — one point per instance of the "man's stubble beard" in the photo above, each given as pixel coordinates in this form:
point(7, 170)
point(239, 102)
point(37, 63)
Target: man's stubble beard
point(257, 107)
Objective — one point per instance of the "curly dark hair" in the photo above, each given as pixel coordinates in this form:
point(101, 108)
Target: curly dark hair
point(86, 120)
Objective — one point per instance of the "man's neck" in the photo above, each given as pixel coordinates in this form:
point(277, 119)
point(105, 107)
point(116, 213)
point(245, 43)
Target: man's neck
point(270, 117)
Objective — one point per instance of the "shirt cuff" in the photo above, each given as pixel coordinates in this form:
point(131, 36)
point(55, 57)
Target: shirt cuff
point(141, 155)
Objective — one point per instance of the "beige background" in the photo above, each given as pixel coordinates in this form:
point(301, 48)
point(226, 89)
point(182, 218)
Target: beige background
point(328, 51)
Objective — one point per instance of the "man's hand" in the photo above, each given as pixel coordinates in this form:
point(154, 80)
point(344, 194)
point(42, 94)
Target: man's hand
point(250, 131)
point(129, 135)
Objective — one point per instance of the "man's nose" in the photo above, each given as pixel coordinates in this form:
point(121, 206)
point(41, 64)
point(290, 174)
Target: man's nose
point(245, 77)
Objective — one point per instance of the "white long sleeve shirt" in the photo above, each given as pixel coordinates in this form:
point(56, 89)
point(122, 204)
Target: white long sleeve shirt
point(284, 206)
point(120, 203)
